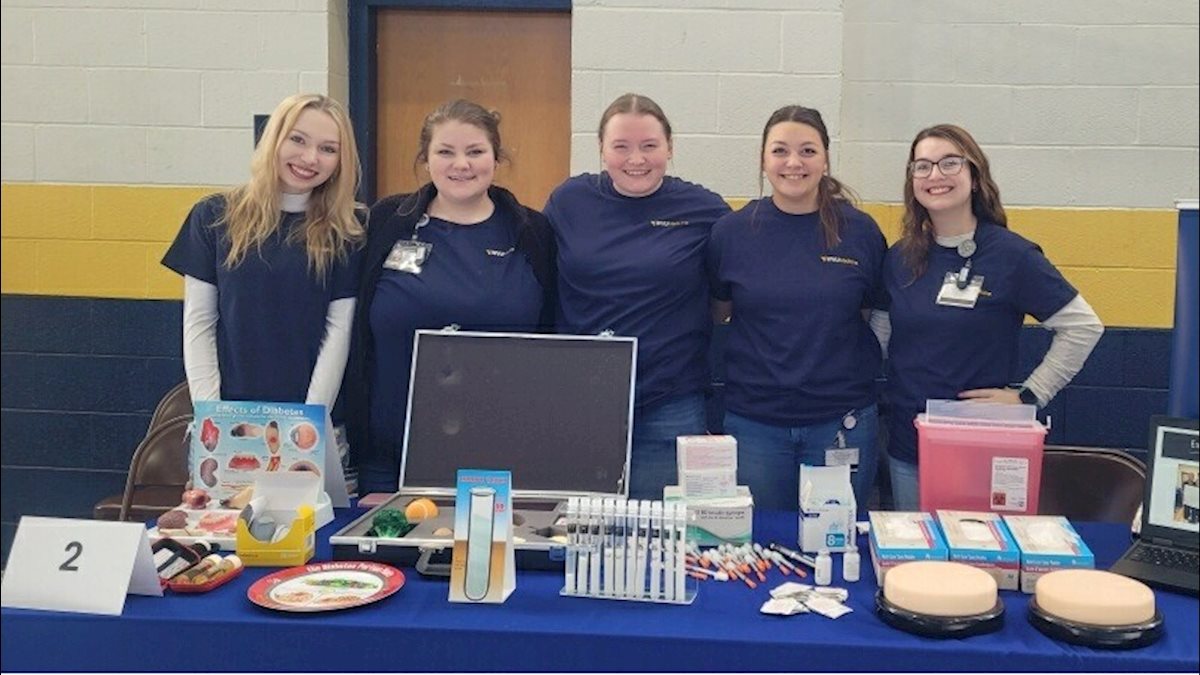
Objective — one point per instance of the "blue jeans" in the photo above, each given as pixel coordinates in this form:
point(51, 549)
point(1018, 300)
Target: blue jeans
point(769, 457)
point(905, 493)
point(653, 453)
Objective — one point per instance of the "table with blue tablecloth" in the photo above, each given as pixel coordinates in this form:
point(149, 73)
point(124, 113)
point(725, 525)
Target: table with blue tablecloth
point(536, 630)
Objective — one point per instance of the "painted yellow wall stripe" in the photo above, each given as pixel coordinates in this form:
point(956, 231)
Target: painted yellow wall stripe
point(107, 240)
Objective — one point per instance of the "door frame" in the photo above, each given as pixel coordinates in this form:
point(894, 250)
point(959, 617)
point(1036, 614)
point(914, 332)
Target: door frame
point(362, 66)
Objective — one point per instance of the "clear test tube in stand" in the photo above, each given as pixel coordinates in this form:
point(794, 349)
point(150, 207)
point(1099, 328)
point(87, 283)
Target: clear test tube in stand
point(480, 522)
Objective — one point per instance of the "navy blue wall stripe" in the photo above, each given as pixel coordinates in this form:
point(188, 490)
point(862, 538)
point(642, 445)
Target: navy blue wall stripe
point(80, 379)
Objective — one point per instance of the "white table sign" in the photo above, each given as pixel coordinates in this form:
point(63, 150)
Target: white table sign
point(74, 565)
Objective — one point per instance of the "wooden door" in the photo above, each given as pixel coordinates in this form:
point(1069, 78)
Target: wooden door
point(518, 63)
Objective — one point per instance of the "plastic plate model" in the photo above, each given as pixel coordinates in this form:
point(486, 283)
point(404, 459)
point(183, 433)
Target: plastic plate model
point(323, 587)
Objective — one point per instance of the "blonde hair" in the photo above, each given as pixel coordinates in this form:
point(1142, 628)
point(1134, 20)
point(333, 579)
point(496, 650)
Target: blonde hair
point(330, 228)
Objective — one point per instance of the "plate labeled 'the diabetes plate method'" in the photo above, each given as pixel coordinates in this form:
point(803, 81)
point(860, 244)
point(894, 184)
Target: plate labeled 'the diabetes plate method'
point(322, 587)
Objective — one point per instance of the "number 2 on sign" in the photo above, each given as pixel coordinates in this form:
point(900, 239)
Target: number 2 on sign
point(75, 549)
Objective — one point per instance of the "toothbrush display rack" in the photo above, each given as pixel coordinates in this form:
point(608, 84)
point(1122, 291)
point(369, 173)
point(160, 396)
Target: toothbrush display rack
point(620, 549)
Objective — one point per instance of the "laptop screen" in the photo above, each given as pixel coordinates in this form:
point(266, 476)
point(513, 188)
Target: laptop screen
point(1173, 499)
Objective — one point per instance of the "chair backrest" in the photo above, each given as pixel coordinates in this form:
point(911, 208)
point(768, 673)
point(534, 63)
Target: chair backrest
point(1096, 484)
point(161, 459)
point(175, 403)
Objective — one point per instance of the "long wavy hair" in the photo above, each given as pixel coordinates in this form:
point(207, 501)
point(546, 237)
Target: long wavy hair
point(831, 193)
point(917, 235)
point(331, 229)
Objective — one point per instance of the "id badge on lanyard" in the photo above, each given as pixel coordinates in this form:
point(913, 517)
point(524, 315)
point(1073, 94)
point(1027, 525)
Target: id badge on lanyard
point(961, 289)
point(840, 454)
point(955, 294)
point(408, 256)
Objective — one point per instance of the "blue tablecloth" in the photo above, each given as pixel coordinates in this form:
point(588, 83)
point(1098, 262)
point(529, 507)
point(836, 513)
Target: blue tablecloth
point(418, 630)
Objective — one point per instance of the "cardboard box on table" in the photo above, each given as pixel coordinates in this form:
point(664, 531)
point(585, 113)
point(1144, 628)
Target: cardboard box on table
point(1047, 543)
point(898, 537)
point(827, 508)
point(716, 520)
point(555, 410)
point(981, 539)
point(292, 498)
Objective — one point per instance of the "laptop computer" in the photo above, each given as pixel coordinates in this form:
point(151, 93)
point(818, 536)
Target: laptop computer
point(1168, 553)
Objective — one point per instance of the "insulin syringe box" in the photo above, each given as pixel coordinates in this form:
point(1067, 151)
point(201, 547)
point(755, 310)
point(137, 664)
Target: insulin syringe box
point(707, 466)
point(898, 537)
point(1047, 543)
point(981, 539)
point(716, 520)
point(827, 508)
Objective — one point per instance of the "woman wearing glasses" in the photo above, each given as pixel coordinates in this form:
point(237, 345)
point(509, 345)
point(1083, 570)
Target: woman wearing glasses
point(959, 284)
point(792, 273)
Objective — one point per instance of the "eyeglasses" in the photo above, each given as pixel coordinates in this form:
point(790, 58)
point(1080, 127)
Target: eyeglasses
point(949, 165)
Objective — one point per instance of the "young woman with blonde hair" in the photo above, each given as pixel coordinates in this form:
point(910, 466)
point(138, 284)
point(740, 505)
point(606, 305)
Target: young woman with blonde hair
point(270, 266)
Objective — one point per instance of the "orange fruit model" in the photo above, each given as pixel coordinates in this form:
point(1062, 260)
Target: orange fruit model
point(420, 509)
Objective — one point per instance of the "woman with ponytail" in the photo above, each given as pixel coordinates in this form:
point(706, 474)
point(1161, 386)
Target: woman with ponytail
point(792, 274)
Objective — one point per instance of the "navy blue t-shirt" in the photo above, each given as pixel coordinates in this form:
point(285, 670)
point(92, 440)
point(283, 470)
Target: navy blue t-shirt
point(272, 307)
point(635, 265)
point(799, 350)
point(474, 277)
point(937, 351)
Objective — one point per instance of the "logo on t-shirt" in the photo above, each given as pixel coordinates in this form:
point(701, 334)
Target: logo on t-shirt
point(839, 260)
point(668, 223)
point(497, 253)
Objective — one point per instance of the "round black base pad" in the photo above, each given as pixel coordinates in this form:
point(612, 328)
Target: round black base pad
point(928, 625)
point(1131, 636)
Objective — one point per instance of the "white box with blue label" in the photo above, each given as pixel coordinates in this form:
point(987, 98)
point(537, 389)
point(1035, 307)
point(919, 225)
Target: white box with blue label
point(981, 539)
point(827, 508)
point(898, 537)
point(1047, 543)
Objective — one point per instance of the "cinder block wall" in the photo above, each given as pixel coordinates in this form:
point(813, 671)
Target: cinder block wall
point(113, 124)
point(110, 91)
point(1089, 110)
point(718, 69)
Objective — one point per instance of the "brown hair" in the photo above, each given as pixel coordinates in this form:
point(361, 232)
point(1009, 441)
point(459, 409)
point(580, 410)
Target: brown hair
point(466, 112)
point(331, 228)
point(831, 193)
point(638, 105)
point(917, 233)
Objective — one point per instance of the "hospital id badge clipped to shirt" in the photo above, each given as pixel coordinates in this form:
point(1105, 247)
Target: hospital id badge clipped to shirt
point(408, 256)
point(839, 453)
point(951, 295)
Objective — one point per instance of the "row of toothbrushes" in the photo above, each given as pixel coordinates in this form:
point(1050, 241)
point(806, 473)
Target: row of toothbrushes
point(627, 550)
